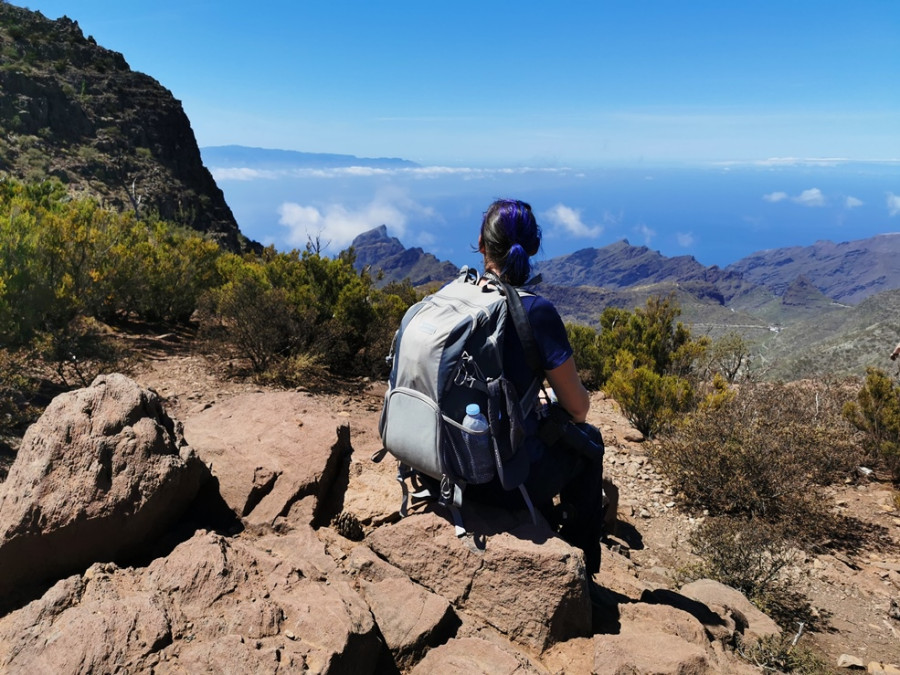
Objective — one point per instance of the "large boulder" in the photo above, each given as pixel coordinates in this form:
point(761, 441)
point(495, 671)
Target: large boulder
point(98, 477)
point(213, 605)
point(412, 619)
point(649, 651)
point(525, 583)
point(269, 451)
point(725, 601)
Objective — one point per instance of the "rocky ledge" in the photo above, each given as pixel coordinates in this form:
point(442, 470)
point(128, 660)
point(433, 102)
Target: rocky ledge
point(263, 539)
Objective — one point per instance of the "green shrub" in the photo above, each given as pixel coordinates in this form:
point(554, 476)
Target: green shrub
point(876, 412)
point(651, 335)
point(294, 371)
point(650, 401)
point(644, 359)
point(64, 261)
point(586, 352)
point(261, 322)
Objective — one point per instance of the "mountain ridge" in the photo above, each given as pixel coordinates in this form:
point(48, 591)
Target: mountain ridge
point(74, 111)
point(847, 272)
point(777, 304)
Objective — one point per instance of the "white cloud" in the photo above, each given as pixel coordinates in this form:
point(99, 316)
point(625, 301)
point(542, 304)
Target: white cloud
point(852, 202)
point(811, 197)
point(221, 174)
point(337, 225)
point(893, 203)
point(569, 219)
point(646, 233)
point(685, 239)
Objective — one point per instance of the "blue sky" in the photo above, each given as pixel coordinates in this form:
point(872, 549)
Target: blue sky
point(522, 83)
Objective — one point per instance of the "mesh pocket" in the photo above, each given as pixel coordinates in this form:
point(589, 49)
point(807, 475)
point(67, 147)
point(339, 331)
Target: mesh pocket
point(467, 453)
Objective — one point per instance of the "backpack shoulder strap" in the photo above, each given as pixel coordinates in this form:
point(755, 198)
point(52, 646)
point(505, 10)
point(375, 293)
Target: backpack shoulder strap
point(522, 325)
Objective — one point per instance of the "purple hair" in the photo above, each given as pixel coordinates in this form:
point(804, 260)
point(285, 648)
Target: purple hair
point(510, 235)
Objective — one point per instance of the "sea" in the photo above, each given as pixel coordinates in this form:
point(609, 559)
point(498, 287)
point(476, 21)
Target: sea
point(718, 213)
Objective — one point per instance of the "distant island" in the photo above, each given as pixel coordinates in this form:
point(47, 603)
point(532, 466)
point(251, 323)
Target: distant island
point(241, 156)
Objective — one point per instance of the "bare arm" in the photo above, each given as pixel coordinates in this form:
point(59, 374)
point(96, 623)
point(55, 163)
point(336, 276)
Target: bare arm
point(569, 391)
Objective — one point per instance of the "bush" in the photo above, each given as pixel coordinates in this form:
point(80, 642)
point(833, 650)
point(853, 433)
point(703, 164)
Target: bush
point(17, 391)
point(65, 261)
point(75, 354)
point(61, 259)
point(292, 313)
point(263, 323)
point(645, 360)
point(782, 654)
point(651, 402)
point(876, 412)
point(586, 353)
point(754, 455)
point(651, 336)
point(728, 355)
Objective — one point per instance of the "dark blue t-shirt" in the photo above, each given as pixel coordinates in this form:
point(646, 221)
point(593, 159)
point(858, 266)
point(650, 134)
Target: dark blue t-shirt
point(549, 334)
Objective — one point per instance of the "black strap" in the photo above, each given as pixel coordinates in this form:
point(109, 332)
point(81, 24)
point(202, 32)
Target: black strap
point(522, 325)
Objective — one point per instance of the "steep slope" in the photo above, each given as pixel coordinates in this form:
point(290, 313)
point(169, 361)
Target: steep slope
point(843, 341)
point(848, 272)
point(72, 110)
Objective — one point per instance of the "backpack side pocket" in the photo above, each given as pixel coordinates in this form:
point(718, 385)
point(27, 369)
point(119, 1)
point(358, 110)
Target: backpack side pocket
point(468, 452)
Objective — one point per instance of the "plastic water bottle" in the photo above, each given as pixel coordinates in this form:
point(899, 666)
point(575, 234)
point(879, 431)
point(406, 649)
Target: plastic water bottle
point(477, 443)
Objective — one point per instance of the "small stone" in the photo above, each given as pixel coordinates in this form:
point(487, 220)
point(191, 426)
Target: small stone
point(644, 513)
point(849, 661)
point(290, 635)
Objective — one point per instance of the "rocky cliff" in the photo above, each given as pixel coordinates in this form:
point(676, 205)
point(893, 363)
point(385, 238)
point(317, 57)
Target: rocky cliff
point(387, 258)
point(74, 111)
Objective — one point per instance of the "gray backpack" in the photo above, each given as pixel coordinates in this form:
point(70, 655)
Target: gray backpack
point(447, 354)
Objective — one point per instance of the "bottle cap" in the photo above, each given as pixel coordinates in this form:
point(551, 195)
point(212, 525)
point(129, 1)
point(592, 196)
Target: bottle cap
point(473, 409)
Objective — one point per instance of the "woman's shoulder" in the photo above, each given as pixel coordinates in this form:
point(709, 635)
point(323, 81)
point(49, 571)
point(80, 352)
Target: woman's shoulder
point(539, 306)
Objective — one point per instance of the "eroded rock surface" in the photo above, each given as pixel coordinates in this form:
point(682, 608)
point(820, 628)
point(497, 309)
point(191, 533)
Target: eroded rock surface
point(103, 472)
point(287, 592)
point(213, 605)
point(268, 451)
